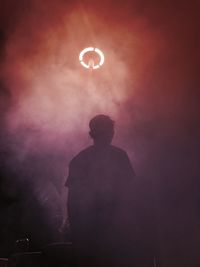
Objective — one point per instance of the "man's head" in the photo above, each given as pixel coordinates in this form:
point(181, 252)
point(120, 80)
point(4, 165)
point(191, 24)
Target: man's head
point(102, 129)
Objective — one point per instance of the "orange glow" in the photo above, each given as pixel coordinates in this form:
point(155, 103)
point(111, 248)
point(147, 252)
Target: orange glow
point(50, 89)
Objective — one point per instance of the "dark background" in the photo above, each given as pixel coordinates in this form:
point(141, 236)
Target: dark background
point(149, 84)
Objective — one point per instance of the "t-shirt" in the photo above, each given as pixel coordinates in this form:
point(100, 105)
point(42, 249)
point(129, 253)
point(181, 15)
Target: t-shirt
point(99, 180)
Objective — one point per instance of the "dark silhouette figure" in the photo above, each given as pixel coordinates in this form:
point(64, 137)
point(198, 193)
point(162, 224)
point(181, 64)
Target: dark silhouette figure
point(100, 184)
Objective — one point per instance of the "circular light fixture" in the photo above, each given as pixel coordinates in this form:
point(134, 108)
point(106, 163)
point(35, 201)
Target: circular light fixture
point(90, 64)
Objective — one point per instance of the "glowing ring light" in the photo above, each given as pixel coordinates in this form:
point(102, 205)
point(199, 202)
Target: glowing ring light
point(91, 49)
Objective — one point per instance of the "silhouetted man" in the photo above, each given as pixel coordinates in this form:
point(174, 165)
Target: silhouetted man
point(99, 201)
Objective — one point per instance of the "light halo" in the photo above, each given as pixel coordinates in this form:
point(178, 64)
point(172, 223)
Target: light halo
point(91, 49)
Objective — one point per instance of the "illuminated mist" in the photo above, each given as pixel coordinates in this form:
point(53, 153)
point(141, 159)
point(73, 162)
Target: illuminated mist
point(53, 96)
point(53, 92)
point(145, 85)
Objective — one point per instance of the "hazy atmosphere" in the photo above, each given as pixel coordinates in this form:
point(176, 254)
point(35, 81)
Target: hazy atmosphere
point(148, 85)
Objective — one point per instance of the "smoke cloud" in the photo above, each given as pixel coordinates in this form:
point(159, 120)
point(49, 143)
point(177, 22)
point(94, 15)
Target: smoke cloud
point(147, 85)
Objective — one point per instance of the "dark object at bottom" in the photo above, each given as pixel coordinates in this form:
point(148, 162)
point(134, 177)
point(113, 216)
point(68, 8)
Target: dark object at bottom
point(27, 259)
point(22, 245)
point(55, 254)
point(3, 262)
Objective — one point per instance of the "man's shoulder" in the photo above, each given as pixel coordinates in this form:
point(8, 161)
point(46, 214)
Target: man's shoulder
point(89, 153)
point(82, 155)
point(118, 150)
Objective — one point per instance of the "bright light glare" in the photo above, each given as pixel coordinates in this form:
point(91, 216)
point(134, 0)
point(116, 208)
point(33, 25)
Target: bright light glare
point(101, 56)
point(90, 49)
point(84, 65)
point(84, 51)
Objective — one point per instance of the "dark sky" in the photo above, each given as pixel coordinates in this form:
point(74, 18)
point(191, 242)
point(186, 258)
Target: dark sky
point(149, 84)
